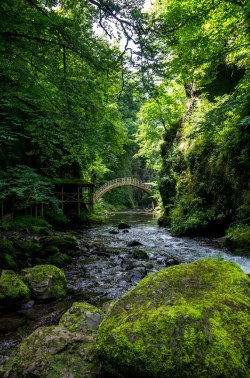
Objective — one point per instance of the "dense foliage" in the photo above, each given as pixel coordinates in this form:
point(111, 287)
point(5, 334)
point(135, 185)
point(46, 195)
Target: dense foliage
point(204, 48)
point(71, 108)
point(59, 84)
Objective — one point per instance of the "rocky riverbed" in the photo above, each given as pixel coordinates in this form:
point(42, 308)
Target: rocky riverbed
point(109, 262)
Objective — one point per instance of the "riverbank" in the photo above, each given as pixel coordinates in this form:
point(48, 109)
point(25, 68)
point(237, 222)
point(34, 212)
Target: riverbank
point(106, 266)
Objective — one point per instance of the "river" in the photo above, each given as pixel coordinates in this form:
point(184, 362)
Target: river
point(106, 267)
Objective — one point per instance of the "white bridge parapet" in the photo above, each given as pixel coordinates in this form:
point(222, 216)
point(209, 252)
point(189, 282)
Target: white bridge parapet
point(122, 182)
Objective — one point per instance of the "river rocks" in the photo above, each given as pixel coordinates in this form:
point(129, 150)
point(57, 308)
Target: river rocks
point(171, 262)
point(12, 288)
point(82, 317)
point(113, 232)
point(134, 243)
point(66, 350)
point(140, 254)
point(189, 320)
point(123, 226)
point(54, 352)
point(45, 281)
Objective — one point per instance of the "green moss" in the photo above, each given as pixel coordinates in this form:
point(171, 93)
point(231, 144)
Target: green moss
point(163, 220)
point(54, 352)
point(57, 219)
point(59, 259)
point(63, 243)
point(24, 223)
point(7, 246)
point(28, 247)
point(82, 317)
point(140, 254)
point(45, 281)
point(238, 240)
point(8, 261)
point(39, 230)
point(52, 250)
point(190, 320)
point(12, 288)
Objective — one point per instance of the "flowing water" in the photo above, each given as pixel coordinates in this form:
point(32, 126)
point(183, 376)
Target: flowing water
point(106, 267)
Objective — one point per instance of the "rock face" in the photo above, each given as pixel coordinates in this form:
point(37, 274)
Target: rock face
point(45, 281)
point(53, 352)
point(12, 288)
point(67, 350)
point(82, 317)
point(190, 320)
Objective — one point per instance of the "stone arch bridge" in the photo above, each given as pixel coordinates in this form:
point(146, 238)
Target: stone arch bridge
point(147, 188)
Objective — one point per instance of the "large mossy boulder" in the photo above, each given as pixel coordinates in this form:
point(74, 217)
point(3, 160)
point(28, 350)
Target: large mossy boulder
point(190, 320)
point(54, 352)
point(12, 288)
point(82, 317)
point(45, 281)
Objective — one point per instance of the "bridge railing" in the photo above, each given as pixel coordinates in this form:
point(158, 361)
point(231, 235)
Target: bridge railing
point(120, 182)
point(123, 180)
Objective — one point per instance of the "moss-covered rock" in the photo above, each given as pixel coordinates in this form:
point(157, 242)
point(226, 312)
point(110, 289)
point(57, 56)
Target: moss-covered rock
point(123, 226)
point(82, 317)
point(59, 259)
point(238, 240)
point(63, 243)
point(28, 247)
point(41, 230)
point(8, 261)
point(45, 281)
point(7, 246)
point(190, 320)
point(140, 254)
point(12, 288)
point(54, 352)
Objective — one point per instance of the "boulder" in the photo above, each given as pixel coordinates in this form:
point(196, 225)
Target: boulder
point(45, 281)
point(237, 240)
point(134, 243)
point(28, 247)
point(113, 232)
point(59, 259)
point(63, 243)
point(41, 230)
point(123, 226)
point(188, 320)
point(12, 288)
point(140, 254)
point(54, 352)
point(82, 317)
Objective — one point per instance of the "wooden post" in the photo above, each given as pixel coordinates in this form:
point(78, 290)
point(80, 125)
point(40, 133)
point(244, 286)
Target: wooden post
point(91, 198)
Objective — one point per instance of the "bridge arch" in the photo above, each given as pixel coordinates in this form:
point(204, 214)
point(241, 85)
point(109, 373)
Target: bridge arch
point(123, 182)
